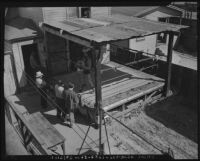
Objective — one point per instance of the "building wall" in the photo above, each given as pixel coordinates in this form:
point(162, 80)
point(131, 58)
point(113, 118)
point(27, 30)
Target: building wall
point(54, 13)
point(146, 45)
point(100, 11)
point(155, 15)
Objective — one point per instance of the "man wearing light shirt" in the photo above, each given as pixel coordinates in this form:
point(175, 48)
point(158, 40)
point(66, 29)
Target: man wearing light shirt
point(59, 89)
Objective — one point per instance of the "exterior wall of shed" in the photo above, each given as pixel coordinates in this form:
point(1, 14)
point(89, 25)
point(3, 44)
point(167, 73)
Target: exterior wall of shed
point(10, 84)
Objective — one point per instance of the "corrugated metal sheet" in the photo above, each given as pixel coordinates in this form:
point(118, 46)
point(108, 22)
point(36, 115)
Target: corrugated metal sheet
point(12, 33)
point(118, 27)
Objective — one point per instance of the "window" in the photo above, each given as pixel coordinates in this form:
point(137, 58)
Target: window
point(85, 12)
point(162, 38)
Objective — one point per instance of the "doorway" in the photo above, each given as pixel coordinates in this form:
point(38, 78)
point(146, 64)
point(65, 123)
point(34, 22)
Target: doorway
point(26, 52)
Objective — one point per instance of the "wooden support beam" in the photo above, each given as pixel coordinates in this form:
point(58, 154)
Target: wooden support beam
point(98, 92)
point(67, 36)
point(169, 64)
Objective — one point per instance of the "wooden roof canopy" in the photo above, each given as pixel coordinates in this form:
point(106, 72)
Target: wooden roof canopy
point(102, 30)
point(13, 34)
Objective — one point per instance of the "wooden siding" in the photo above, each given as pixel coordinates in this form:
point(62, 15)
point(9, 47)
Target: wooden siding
point(54, 13)
point(72, 12)
point(100, 11)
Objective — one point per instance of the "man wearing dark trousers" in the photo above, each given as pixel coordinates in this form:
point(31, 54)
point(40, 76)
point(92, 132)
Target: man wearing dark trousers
point(86, 69)
point(41, 85)
point(71, 103)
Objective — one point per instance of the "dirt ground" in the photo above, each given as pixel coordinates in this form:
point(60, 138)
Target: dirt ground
point(166, 124)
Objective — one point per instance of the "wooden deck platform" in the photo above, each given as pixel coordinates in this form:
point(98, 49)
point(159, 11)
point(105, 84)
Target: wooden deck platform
point(118, 86)
point(29, 103)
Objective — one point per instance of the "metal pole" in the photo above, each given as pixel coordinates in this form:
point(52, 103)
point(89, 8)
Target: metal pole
point(84, 140)
point(107, 135)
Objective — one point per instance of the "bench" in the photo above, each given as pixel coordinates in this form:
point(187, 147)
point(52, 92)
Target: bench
point(46, 132)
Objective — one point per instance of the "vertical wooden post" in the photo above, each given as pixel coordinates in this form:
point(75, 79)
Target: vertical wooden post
point(98, 94)
point(169, 64)
point(48, 62)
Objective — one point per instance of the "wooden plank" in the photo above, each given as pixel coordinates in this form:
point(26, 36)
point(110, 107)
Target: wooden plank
point(121, 88)
point(112, 103)
point(89, 34)
point(106, 88)
point(81, 23)
point(62, 25)
point(45, 130)
point(26, 123)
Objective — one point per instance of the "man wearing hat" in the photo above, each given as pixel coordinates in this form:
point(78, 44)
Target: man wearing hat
point(86, 67)
point(71, 103)
point(41, 85)
point(59, 89)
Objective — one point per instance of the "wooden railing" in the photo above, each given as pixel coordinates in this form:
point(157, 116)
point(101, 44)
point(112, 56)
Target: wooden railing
point(32, 142)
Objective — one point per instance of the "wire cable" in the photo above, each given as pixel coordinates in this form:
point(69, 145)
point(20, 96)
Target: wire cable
point(33, 84)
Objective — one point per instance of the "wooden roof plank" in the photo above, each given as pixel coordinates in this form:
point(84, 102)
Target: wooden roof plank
point(114, 28)
point(45, 130)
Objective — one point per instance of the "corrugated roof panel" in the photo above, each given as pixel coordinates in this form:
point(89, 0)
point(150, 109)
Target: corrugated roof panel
point(81, 22)
point(117, 33)
point(92, 35)
point(115, 27)
point(114, 18)
point(63, 26)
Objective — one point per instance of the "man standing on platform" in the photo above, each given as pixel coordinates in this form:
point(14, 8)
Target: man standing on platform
point(71, 103)
point(59, 89)
point(41, 85)
point(87, 69)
